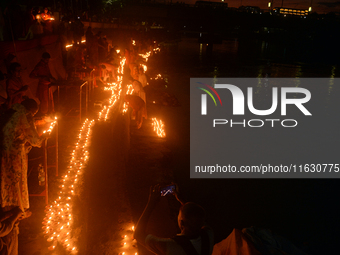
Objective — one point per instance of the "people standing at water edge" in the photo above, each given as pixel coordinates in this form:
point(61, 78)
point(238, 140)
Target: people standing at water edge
point(195, 236)
point(43, 73)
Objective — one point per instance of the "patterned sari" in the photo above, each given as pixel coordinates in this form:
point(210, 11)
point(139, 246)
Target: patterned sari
point(19, 135)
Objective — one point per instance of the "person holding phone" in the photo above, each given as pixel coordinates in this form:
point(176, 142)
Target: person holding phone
point(196, 238)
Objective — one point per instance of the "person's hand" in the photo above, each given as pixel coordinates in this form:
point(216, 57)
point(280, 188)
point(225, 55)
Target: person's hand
point(177, 194)
point(155, 194)
point(25, 215)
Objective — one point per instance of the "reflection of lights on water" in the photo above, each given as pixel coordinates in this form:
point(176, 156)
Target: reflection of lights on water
point(158, 127)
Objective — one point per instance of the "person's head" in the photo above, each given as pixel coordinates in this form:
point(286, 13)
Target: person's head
point(31, 106)
point(46, 57)
point(191, 218)
point(45, 10)
point(15, 69)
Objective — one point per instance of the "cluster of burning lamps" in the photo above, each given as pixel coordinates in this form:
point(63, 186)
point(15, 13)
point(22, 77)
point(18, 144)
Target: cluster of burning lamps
point(148, 54)
point(52, 124)
point(158, 76)
point(70, 45)
point(128, 245)
point(58, 221)
point(116, 90)
point(158, 127)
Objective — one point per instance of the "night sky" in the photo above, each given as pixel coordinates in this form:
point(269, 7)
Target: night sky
point(320, 6)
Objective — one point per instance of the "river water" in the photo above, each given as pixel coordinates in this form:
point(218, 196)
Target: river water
point(302, 210)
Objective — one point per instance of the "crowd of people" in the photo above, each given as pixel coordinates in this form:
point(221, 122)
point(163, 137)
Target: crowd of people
point(18, 136)
point(18, 131)
point(98, 55)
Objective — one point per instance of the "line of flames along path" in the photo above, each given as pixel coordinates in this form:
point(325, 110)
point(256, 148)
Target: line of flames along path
point(59, 220)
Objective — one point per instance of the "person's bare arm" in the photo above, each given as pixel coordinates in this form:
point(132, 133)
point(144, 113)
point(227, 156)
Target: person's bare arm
point(178, 195)
point(140, 232)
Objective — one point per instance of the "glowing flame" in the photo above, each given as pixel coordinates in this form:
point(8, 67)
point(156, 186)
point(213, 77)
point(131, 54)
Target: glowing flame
point(158, 127)
point(52, 125)
point(58, 220)
point(57, 225)
point(144, 67)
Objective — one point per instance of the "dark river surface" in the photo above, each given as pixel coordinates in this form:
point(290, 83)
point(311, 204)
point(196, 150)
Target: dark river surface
point(302, 210)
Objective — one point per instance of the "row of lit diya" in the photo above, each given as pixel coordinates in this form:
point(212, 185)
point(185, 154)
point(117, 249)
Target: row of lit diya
point(57, 224)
